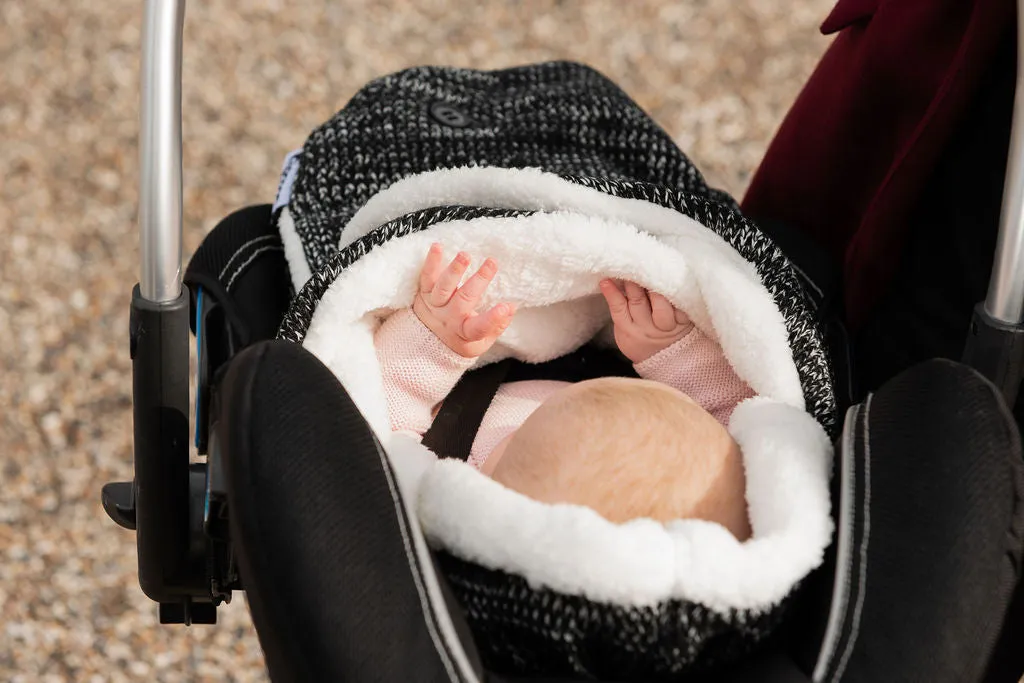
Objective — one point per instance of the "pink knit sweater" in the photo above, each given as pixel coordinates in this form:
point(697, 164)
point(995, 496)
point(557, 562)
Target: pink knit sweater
point(419, 371)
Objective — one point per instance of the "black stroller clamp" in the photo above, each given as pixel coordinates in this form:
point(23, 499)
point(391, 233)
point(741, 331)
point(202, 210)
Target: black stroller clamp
point(192, 549)
point(996, 349)
point(181, 527)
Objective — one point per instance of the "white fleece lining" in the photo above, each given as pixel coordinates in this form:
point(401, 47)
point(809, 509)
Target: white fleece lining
point(572, 549)
point(550, 264)
point(528, 189)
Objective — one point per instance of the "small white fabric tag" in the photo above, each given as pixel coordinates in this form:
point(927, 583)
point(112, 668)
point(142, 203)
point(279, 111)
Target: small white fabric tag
point(289, 171)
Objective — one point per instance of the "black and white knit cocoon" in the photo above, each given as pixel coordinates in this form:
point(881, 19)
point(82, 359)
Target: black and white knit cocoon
point(568, 120)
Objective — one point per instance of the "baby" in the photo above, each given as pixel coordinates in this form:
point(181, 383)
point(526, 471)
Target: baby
point(651, 447)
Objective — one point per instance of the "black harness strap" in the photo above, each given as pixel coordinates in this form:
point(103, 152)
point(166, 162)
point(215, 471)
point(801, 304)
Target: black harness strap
point(454, 428)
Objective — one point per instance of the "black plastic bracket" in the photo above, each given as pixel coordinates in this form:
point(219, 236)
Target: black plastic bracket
point(177, 509)
point(996, 350)
point(159, 340)
point(119, 503)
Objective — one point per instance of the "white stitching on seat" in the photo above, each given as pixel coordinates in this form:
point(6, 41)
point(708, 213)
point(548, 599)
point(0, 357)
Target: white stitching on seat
point(425, 603)
point(858, 608)
point(240, 249)
point(249, 260)
point(845, 522)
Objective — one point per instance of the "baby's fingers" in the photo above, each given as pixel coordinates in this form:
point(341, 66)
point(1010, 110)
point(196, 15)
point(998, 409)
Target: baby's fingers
point(448, 280)
point(639, 304)
point(663, 313)
point(431, 268)
point(469, 294)
point(617, 304)
point(489, 324)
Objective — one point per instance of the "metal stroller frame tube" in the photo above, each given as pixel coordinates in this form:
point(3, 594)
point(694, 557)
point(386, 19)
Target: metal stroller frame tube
point(172, 557)
point(995, 342)
point(1005, 301)
point(160, 196)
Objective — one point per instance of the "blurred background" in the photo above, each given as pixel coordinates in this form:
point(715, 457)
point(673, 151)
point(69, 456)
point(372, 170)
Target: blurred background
point(258, 76)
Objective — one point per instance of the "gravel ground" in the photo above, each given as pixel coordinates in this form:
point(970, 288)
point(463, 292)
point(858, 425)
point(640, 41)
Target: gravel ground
point(259, 74)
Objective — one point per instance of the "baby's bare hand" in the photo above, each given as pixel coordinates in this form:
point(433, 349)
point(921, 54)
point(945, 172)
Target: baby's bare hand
point(645, 322)
point(449, 311)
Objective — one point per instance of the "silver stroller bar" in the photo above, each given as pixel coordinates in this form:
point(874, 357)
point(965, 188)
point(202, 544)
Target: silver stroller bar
point(1005, 301)
point(160, 503)
point(160, 199)
point(995, 340)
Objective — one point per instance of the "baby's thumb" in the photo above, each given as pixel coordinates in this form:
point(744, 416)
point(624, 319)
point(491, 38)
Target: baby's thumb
point(616, 300)
point(503, 314)
point(491, 323)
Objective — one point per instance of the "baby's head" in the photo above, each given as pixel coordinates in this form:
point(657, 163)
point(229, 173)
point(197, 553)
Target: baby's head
point(627, 448)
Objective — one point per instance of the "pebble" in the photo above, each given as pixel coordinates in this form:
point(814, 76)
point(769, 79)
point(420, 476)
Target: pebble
point(258, 76)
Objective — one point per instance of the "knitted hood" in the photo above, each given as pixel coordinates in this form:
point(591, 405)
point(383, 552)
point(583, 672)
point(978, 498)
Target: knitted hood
point(561, 118)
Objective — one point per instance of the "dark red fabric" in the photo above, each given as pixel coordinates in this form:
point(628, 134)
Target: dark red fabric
point(855, 150)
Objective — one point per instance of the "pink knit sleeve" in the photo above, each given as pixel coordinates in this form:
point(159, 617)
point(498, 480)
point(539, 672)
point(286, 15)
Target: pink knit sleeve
point(696, 366)
point(418, 370)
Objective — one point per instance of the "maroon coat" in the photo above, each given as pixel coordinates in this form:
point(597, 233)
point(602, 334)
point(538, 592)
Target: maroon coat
point(852, 155)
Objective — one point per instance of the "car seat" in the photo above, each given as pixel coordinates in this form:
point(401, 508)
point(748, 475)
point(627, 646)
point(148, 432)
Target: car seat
point(927, 492)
